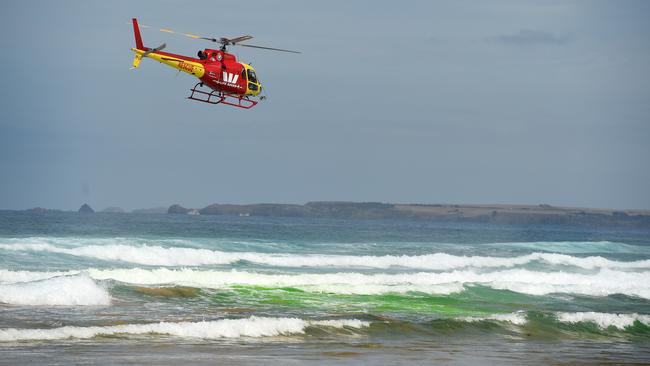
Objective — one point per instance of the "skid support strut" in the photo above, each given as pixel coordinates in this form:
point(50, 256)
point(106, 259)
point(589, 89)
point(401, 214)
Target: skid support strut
point(215, 97)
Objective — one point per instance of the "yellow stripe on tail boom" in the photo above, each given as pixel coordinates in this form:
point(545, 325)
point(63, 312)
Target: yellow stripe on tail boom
point(190, 67)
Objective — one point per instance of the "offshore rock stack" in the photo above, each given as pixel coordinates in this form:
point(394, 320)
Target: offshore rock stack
point(85, 208)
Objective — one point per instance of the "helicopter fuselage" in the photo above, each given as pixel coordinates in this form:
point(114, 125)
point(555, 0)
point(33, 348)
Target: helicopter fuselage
point(216, 69)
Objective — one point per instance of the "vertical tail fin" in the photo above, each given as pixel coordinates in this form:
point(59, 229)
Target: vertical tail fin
point(136, 32)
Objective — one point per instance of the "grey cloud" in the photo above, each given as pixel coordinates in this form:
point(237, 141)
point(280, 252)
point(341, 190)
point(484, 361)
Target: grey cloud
point(529, 37)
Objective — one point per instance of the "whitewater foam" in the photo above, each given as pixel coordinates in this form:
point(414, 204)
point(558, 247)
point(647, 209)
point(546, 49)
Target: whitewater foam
point(604, 320)
point(156, 255)
point(602, 283)
point(66, 290)
point(8, 277)
point(341, 283)
point(516, 318)
point(225, 328)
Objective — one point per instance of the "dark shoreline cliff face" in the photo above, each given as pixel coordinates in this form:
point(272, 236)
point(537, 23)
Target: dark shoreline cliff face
point(497, 214)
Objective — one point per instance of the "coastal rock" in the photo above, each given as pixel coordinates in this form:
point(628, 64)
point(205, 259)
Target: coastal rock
point(177, 209)
point(85, 208)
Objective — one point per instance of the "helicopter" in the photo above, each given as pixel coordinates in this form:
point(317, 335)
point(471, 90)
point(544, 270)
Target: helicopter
point(222, 79)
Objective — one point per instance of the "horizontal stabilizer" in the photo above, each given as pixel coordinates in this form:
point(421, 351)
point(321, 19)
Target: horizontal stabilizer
point(138, 57)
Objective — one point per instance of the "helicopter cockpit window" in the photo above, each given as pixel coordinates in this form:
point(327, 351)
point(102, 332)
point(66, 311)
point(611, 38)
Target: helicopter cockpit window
point(243, 74)
point(251, 76)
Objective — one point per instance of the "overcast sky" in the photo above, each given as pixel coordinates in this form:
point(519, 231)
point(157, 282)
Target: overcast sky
point(394, 101)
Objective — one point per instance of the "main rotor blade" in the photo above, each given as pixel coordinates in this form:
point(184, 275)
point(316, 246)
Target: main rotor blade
point(224, 41)
point(167, 30)
point(237, 39)
point(266, 48)
point(190, 35)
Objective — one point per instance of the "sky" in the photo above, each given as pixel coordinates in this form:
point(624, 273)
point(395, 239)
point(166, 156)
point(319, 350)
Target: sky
point(502, 101)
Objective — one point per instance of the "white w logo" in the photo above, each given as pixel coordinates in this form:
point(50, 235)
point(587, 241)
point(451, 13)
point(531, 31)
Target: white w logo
point(230, 77)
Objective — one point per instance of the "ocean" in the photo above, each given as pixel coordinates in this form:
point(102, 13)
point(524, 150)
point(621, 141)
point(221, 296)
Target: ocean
point(180, 289)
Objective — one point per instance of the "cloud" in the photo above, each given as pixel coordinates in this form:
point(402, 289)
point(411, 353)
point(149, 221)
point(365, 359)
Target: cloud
point(528, 37)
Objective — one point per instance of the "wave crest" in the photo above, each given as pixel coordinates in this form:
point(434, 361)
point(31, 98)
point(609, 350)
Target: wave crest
point(155, 255)
point(604, 320)
point(602, 283)
point(225, 328)
point(517, 318)
point(66, 290)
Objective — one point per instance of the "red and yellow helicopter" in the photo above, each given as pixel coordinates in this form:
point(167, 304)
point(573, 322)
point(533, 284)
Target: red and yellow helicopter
point(230, 82)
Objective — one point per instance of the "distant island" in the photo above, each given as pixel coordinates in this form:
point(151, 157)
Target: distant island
point(496, 213)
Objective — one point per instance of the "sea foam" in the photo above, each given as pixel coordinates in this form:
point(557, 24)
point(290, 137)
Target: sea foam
point(225, 328)
point(66, 290)
point(516, 318)
point(604, 320)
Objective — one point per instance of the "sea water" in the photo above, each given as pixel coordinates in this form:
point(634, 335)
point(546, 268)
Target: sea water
point(170, 289)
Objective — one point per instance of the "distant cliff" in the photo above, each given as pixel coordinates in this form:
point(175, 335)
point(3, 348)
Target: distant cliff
point(498, 214)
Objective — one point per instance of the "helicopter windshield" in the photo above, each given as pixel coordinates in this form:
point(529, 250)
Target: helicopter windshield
point(251, 75)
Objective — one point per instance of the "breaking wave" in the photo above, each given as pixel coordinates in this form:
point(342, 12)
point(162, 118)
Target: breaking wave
point(602, 283)
point(155, 255)
point(66, 290)
point(225, 328)
point(604, 320)
point(257, 327)
point(9, 277)
point(517, 318)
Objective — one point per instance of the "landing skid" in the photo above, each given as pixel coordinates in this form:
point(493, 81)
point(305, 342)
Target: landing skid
point(215, 97)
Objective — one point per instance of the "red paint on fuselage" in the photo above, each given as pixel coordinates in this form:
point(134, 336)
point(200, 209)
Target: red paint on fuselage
point(222, 71)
